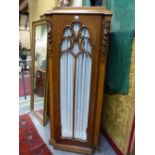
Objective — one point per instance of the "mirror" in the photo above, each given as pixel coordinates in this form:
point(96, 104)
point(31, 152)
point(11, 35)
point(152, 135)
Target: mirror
point(38, 73)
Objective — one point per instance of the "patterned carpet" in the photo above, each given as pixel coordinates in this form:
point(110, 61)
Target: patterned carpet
point(30, 142)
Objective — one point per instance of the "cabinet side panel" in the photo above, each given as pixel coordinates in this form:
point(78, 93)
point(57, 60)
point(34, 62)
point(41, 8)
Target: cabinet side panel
point(51, 96)
point(105, 30)
point(50, 73)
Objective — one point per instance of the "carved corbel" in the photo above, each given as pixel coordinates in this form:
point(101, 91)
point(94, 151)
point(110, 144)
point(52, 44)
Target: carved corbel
point(49, 33)
point(105, 39)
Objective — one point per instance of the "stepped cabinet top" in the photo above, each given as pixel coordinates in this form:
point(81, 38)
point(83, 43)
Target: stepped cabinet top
point(80, 10)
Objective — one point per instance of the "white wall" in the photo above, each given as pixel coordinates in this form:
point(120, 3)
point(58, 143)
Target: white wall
point(24, 36)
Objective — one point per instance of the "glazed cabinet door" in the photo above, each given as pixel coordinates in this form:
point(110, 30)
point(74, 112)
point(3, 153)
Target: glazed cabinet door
point(75, 62)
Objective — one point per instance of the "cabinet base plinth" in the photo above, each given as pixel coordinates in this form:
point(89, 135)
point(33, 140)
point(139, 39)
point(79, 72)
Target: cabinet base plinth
point(71, 148)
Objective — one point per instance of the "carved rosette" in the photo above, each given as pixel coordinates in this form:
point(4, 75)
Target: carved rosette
point(49, 32)
point(105, 39)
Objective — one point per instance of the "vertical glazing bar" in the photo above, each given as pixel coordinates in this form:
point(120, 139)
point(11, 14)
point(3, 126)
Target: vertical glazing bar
point(70, 94)
point(74, 111)
point(76, 99)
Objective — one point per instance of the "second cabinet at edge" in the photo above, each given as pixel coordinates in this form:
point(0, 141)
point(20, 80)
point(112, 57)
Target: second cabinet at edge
point(77, 51)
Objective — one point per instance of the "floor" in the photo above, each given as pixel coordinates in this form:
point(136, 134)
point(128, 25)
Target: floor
point(24, 107)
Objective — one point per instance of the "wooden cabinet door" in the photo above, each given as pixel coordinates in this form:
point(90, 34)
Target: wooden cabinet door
point(76, 40)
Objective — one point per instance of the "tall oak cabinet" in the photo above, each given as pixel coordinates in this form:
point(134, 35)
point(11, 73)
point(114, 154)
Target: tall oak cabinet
point(77, 52)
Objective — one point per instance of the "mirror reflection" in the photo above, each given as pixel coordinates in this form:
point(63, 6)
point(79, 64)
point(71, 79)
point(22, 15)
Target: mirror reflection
point(40, 69)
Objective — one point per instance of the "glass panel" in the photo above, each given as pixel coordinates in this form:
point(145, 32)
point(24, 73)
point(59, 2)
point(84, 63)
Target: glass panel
point(76, 48)
point(85, 32)
point(65, 44)
point(82, 83)
point(76, 28)
point(67, 32)
point(86, 45)
point(83, 78)
point(40, 69)
point(66, 94)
